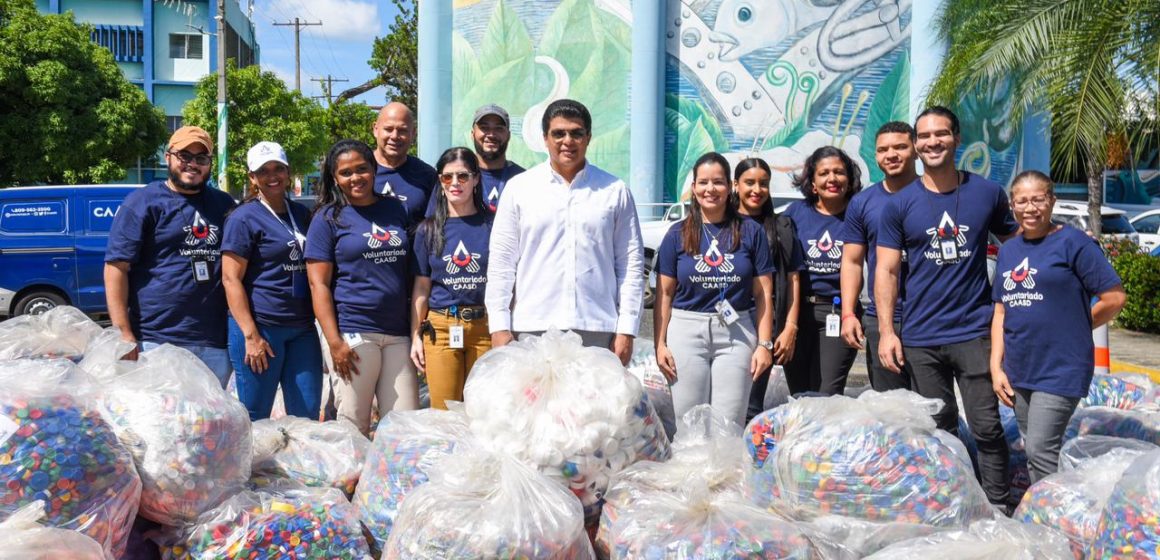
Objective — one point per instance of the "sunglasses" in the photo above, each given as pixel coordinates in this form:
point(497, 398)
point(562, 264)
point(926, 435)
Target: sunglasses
point(452, 178)
point(575, 133)
point(186, 157)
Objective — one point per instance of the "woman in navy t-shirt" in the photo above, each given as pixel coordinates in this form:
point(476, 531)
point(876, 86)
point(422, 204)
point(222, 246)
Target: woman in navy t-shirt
point(714, 266)
point(272, 339)
point(1042, 355)
point(449, 322)
point(822, 360)
point(358, 261)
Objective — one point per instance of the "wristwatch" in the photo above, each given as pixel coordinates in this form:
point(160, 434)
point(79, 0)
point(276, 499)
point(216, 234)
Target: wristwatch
point(767, 344)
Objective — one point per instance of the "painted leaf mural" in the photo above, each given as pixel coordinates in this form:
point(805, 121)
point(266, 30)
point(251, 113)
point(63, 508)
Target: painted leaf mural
point(891, 103)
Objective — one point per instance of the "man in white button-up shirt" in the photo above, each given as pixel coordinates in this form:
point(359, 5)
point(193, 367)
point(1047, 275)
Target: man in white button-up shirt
point(565, 247)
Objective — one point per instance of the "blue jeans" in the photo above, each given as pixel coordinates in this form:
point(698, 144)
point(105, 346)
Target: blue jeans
point(216, 359)
point(296, 365)
point(1042, 419)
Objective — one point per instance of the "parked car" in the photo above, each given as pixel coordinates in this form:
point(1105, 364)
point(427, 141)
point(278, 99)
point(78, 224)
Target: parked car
point(52, 246)
point(1114, 222)
point(1147, 224)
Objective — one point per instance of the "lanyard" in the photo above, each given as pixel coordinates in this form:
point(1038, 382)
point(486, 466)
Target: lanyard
point(715, 243)
point(292, 229)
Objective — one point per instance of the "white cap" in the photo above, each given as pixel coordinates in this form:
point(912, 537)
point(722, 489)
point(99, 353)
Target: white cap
point(263, 153)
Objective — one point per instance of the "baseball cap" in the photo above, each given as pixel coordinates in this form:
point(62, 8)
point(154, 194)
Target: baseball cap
point(264, 152)
point(187, 136)
point(491, 109)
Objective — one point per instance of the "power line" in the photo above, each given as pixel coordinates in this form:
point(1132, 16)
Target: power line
point(298, 24)
point(327, 84)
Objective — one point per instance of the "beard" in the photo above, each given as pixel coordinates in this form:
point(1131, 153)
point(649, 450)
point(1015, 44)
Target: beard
point(490, 155)
point(175, 180)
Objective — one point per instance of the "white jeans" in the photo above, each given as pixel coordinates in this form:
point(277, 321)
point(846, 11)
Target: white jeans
point(712, 361)
point(385, 372)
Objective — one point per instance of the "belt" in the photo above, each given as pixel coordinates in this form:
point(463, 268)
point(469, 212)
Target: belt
point(466, 313)
point(820, 300)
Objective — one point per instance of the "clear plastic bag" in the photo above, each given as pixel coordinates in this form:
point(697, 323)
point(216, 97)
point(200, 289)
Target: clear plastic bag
point(997, 538)
point(876, 458)
point(22, 538)
point(55, 447)
point(1142, 423)
point(190, 439)
point(405, 447)
point(573, 412)
point(291, 521)
point(1129, 525)
point(319, 454)
point(1082, 448)
point(1124, 392)
point(480, 504)
point(60, 332)
point(1071, 502)
point(660, 394)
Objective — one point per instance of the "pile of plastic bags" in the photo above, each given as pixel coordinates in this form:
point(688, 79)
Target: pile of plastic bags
point(1120, 391)
point(1142, 423)
point(61, 332)
point(319, 454)
point(22, 538)
point(995, 538)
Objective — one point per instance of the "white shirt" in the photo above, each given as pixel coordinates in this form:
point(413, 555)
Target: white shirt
point(565, 255)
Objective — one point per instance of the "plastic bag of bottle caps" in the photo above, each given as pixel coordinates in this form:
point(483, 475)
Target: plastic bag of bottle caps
point(22, 538)
point(320, 454)
point(61, 332)
point(1142, 423)
point(876, 458)
point(56, 448)
point(660, 394)
point(997, 538)
point(1082, 448)
point(1120, 391)
point(1071, 502)
point(481, 504)
point(190, 439)
point(291, 521)
point(1130, 523)
point(405, 447)
point(573, 412)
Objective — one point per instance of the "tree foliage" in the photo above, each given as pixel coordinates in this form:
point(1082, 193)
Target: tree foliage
point(396, 59)
point(68, 114)
point(351, 120)
point(260, 108)
point(1093, 65)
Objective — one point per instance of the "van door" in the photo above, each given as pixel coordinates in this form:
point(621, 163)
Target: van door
point(91, 239)
point(37, 249)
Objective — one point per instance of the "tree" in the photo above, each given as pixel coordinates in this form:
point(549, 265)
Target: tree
point(351, 120)
point(1093, 65)
point(260, 108)
point(396, 59)
point(69, 115)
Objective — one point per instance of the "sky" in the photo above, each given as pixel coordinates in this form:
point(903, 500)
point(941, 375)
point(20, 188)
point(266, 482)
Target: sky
point(339, 47)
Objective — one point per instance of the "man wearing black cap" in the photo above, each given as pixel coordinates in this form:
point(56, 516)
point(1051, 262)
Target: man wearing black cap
point(490, 130)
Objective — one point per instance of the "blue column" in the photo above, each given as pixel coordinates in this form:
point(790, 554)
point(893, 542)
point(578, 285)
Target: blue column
point(647, 101)
point(435, 20)
point(54, 6)
point(150, 36)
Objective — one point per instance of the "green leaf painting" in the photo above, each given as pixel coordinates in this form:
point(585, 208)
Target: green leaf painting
point(506, 38)
point(693, 140)
point(611, 150)
point(466, 66)
point(891, 103)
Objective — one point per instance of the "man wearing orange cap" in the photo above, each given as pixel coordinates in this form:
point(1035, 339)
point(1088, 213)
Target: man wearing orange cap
point(163, 281)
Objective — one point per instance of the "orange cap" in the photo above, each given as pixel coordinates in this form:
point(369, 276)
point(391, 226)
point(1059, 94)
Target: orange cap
point(187, 136)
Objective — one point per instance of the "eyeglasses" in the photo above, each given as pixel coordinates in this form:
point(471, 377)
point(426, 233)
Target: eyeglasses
point(186, 157)
point(1038, 202)
point(575, 133)
point(452, 178)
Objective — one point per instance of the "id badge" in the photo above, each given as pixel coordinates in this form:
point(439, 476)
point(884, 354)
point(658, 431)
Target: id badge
point(833, 325)
point(455, 336)
point(726, 312)
point(201, 271)
point(298, 285)
point(950, 249)
point(352, 339)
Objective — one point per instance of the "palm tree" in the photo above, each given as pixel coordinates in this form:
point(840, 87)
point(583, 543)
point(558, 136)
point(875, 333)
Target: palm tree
point(1093, 65)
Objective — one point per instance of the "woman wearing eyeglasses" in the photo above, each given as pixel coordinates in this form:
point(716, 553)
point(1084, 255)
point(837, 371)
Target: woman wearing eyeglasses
point(272, 340)
point(1042, 356)
point(358, 262)
point(448, 322)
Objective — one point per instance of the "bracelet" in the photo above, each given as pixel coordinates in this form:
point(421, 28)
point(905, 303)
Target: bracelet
point(849, 316)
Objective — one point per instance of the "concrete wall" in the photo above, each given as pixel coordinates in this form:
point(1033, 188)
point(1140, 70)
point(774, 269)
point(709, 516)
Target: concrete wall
point(107, 12)
point(167, 20)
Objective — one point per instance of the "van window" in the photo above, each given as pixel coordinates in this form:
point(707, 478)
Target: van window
point(32, 216)
point(99, 218)
point(1117, 224)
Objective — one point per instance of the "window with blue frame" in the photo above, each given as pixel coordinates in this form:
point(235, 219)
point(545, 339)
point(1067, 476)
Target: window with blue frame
point(126, 42)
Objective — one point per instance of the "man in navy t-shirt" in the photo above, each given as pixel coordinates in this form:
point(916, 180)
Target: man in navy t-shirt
point(490, 130)
point(941, 223)
point(407, 178)
point(163, 281)
point(895, 155)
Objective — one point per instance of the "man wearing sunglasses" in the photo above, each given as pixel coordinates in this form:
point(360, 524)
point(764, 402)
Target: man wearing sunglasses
point(565, 247)
point(163, 281)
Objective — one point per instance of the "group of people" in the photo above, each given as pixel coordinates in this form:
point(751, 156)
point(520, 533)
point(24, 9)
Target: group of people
point(406, 270)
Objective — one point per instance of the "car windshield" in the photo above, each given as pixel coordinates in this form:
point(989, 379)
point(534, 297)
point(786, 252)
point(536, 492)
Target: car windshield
point(1117, 224)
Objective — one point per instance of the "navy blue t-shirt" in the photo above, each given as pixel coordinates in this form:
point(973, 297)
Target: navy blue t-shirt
point(946, 302)
point(275, 279)
point(370, 250)
point(715, 273)
point(160, 233)
point(819, 237)
point(412, 183)
point(458, 273)
point(493, 183)
point(1046, 286)
point(862, 218)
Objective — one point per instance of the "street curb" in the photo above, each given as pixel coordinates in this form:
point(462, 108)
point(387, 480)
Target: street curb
point(1125, 367)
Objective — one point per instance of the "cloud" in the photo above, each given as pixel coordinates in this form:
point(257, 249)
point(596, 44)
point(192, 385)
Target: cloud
point(342, 20)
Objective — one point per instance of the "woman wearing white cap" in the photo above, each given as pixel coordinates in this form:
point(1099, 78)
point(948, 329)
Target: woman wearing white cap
point(272, 339)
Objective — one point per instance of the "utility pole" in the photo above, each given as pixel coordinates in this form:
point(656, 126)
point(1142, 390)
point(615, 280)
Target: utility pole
point(222, 109)
point(328, 88)
point(298, 24)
